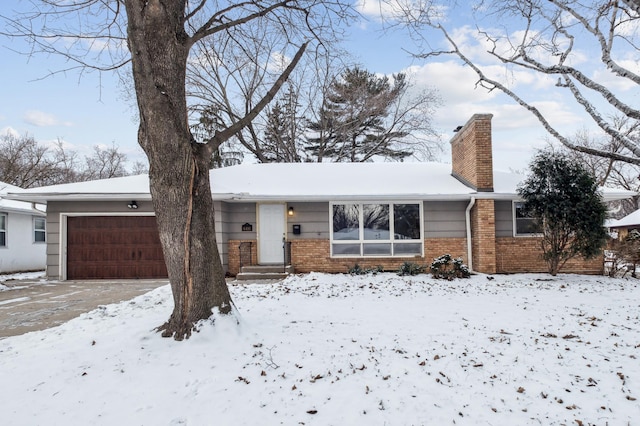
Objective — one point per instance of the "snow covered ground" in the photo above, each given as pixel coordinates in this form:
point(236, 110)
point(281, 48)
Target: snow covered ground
point(345, 350)
point(9, 281)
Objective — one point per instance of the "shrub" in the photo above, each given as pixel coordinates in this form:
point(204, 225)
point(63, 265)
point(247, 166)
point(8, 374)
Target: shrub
point(377, 269)
point(445, 267)
point(562, 197)
point(359, 270)
point(409, 268)
point(624, 256)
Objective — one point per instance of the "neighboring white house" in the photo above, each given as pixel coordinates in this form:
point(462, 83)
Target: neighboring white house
point(22, 234)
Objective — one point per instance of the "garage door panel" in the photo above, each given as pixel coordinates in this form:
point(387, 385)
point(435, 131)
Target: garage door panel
point(104, 247)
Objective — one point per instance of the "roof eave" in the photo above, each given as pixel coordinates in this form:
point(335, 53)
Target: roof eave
point(43, 198)
point(27, 211)
point(244, 197)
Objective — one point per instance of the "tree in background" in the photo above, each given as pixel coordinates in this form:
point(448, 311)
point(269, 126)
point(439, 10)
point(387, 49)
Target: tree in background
point(624, 255)
point(364, 116)
point(105, 163)
point(205, 130)
point(562, 197)
point(283, 131)
point(26, 163)
point(300, 124)
point(608, 171)
point(231, 72)
point(544, 38)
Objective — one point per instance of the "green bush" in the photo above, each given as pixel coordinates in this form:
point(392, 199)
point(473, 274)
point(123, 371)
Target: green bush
point(445, 267)
point(409, 268)
point(359, 270)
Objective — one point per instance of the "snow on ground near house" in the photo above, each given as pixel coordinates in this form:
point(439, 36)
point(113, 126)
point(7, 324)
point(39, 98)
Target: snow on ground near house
point(345, 350)
point(15, 278)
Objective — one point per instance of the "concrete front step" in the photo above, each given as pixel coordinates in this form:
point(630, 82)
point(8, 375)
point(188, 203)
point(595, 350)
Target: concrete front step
point(264, 272)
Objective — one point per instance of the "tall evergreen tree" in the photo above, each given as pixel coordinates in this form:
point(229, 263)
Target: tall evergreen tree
point(205, 130)
point(563, 198)
point(352, 124)
point(282, 131)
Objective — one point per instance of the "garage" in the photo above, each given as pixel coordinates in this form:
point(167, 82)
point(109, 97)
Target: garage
point(114, 247)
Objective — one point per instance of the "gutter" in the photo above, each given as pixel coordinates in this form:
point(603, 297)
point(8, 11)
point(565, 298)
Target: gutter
point(467, 218)
point(33, 206)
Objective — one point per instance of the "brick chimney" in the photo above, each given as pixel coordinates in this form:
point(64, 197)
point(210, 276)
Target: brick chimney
point(471, 153)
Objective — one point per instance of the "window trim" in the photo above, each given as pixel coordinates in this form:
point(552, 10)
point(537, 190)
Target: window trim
point(514, 206)
point(36, 230)
point(5, 230)
point(361, 241)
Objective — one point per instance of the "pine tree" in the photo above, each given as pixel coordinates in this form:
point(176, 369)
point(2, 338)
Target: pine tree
point(282, 129)
point(352, 119)
point(205, 129)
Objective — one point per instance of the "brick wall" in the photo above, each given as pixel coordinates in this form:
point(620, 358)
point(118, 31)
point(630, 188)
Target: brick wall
point(524, 254)
point(436, 247)
point(512, 255)
point(315, 256)
point(471, 153)
point(483, 236)
point(233, 251)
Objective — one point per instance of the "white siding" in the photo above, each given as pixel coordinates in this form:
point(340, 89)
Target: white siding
point(21, 252)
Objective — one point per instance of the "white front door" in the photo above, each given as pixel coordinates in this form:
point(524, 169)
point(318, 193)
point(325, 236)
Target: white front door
point(271, 230)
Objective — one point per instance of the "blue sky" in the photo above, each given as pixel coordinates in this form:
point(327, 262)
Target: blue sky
point(91, 109)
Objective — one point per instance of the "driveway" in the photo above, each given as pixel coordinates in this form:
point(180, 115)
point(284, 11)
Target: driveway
point(32, 305)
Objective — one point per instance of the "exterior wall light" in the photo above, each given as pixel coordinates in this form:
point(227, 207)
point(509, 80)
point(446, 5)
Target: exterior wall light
point(133, 205)
point(290, 211)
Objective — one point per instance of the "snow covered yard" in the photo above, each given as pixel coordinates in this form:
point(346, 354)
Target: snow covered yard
point(345, 350)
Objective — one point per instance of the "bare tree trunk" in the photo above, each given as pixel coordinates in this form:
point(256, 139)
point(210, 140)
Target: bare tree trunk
point(178, 166)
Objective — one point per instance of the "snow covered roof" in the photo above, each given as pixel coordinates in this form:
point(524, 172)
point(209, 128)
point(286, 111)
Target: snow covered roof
point(338, 181)
point(631, 219)
point(306, 182)
point(121, 188)
point(13, 205)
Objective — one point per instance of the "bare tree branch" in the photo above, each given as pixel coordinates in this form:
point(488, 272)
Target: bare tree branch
point(225, 134)
point(548, 38)
point(491, 84)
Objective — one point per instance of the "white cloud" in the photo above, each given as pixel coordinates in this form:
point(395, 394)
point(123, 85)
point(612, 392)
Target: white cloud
point(377, 8)
point(394, 10)
point(454, 81)
point(278, 62)
point(8, 130)
point(478, 48)
point(517, 132)
point(617, 84)
point(457, 83)
point(627, 28)
point(42, 119)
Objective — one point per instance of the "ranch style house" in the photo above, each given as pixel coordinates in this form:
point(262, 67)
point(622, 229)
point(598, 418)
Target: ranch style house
point(323, 217)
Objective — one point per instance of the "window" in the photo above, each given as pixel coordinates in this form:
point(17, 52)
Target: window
point(524, 224)
point(39, 229)
point(3, 229)
point(376, 229)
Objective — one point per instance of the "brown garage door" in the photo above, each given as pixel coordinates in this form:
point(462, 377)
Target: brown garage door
point(103, 247)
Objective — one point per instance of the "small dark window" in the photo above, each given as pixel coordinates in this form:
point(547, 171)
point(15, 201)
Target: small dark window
point(39, 229)
point(524, 224)
point(3, 230)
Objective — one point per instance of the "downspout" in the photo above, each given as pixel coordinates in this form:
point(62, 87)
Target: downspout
point(467, 217)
